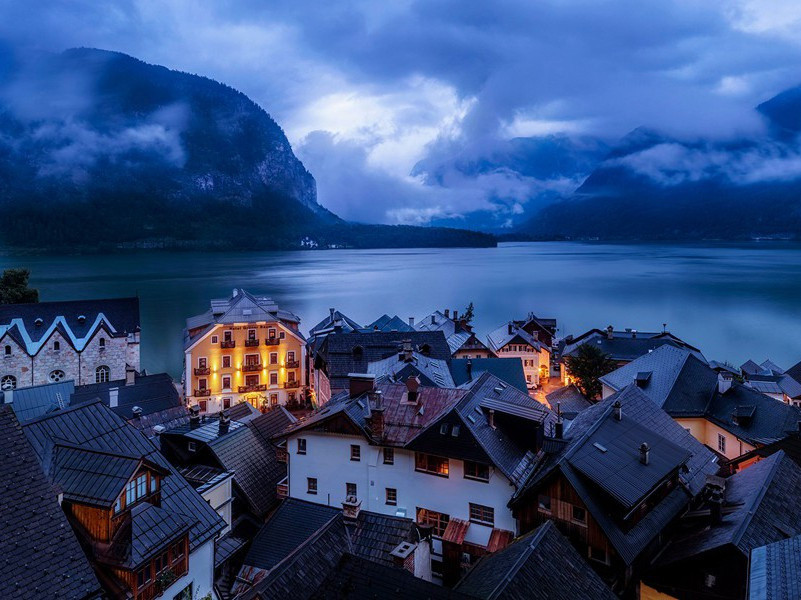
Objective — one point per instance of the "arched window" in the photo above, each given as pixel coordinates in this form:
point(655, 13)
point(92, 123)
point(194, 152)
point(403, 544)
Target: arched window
point(102, 343)
point(57, 375)
point(358, 352)
point(57, 346)
point(8, 350)
point(8, 382)
point(102, 374)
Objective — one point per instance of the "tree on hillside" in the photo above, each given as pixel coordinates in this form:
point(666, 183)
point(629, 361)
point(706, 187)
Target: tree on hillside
point(587, 367)
point(14, 287)
point(468, 314)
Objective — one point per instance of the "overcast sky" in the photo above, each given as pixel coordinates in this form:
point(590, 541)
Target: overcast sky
point(365, 90)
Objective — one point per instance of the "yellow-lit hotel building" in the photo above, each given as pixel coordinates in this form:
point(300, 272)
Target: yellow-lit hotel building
point(244, 348)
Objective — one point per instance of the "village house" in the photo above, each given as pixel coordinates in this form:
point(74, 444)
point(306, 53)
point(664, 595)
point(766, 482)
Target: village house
point(614, 481)
point(450, 458)
point(87, 341)
point(621, 347)
point(462, 341)
point(727, 416)
point(512, 341)
point(145, 530)
point(772, 381)
point(244, 348)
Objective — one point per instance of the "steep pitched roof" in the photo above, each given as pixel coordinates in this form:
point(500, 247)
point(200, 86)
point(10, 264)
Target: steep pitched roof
point(387, 323)
point(627, 345)
point(35, 530)
point(152, 393)
point(335, 316)
point(32, 402)
point(526, 569)
point(431, 371)
point(271, 423)
point(509, 332)
point(570, 401)
point(76, 320)
point(775, 571)
point(762, 500)
point(640, 410)
point(95, 426)
point(508, 370)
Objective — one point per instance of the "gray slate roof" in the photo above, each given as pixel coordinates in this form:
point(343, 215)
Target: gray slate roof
point(95, 426)
point(509, 370)
point(387, 323)
point(570, 399)
point(541, 565)
point(32, 402)
point(152, 529)
point(775, 571)
point(152, 393)
point(626, 345)
point(41, 557)
point(763, 498)
point(501, 336)
point(432, 371)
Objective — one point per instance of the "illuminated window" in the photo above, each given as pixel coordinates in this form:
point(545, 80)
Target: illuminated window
point(428, 463)
point(482, 515)
point(439, 521)
point(226, 361)
point(102, 374)
point(251, 334)
point(273, 358)
point(271, 333)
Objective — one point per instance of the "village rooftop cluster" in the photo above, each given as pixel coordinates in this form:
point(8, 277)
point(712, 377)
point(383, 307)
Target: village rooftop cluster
point(403, 458)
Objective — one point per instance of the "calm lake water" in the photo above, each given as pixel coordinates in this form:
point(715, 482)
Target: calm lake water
point(733, 301)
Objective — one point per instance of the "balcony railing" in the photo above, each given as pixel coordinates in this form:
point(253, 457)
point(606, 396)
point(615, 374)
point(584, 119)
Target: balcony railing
point(251, 343)
point(202, 371)
point(292, 364)
point(246, 389)
point(251, 367)
point(272, 341)
point(282, 490)
point(291, 385)
point(228, 344)
point(203, 392)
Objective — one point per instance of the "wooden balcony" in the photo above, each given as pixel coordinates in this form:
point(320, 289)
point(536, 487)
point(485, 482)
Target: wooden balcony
point(204, 392)
point(202, 371)
point(282, 489)
point(281, 454)
point(246, 389)
point(228, 344)
point(272, 341)
point(291, 385)
point(250, 368)
point(292, 364)
point(164, 580)
point(251, 343)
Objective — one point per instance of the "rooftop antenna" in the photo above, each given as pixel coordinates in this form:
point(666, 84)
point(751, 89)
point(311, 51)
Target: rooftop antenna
point(664, 327)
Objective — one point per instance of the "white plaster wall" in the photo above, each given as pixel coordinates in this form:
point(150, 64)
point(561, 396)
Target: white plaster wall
point(219, 497)
point(200, 573)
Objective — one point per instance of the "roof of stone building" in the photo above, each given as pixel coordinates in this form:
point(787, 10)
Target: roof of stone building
point(36, 532)
point(31, 325)
point(596, 430)
point(775, 571)
point(94, 426)
point(541, 565)
point(758, 508)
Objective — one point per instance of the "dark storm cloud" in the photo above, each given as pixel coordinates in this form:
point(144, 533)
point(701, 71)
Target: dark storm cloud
point(385, 85)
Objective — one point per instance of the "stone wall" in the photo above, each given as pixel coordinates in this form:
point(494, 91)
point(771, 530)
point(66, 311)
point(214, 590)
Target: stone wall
point(18, 363)
point(114, 355)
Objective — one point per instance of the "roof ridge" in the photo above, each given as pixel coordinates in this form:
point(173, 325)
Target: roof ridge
point(71, 446)
point(518, 564)
point(758, 499)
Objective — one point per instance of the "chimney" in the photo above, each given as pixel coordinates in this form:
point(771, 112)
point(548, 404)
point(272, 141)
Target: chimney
point(407, 354)
point(610, 332)
point(403, 556)
point(413, 389)
point(715, 488)
point(130, 375)
point(433, 319)
point(469, 370)
point(137, 412)
point(377, 415)
point(633, 334)
point(455, 315)
point(491, 418)
point(360, 383)
point(411, 322)
point(235, 293)
point(158, 430)
point(331, 312)
point(559, 429)
point(225, 421)
point(194, 416)
point(724, 382)
point(113, 397)
point(447, 313)
point(645, 453)
point(351, 507)
point(617, 409)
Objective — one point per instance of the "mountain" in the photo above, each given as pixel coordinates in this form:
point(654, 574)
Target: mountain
point(101, 150)
point(656, 187)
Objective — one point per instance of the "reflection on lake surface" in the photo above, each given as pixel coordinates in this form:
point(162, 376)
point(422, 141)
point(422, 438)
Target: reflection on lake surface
point(733, 301)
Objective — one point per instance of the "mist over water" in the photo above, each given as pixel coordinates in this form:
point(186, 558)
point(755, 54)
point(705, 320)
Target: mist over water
point(733, 301)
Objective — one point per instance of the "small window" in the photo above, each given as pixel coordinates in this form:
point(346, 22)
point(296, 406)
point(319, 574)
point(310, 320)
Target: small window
point(355, 452)
point(215, 339)
point(273, 378)
point(482, 515)
point(226, 361)
point(350, 489)
point(311, 485)
point(579, 514)
point(226, 403)
point(56, 346)
point(478, 471)
point(281, 335)
point(8, 382)
point(56, 376)
point(102, 343)
point(544, 503)
point(118, 505)
point(722, 443)
point(273, 358)
point(443, 429)
point(389, 456)
point(8, 350)
point(392, 496)
point(301, 445)
point(102, 373)
point(226, 383)
point(192, 447)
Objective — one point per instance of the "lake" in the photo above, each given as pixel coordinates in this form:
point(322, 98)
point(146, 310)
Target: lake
point(733, 301)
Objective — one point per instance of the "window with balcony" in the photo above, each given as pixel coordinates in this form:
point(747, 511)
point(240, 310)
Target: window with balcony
point(428, 463)
point(389, 456)
point(482, 515)
point(251, 380)
point(228, 336)
point(252, 335)
point(439, 521)
point(476, 471)
point(202, 362)
point(271, 333)
point(290, 377)
point(290, 357)
point(202, 384)
point(392, 496)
